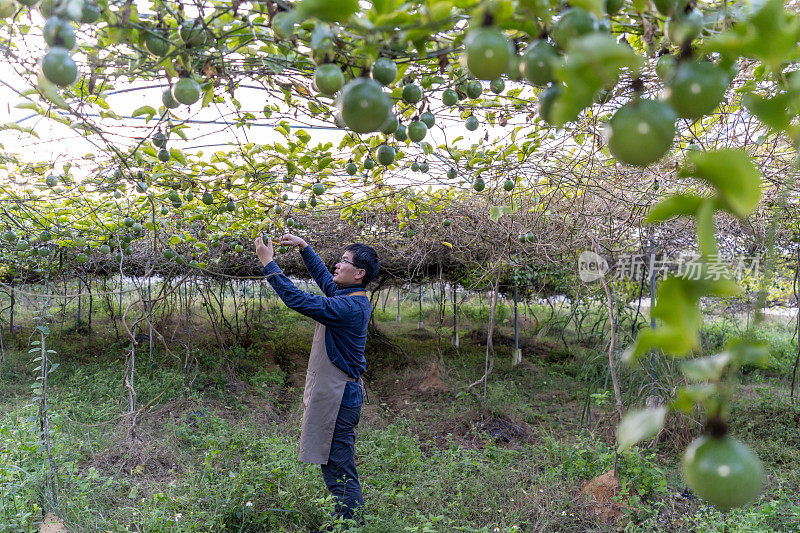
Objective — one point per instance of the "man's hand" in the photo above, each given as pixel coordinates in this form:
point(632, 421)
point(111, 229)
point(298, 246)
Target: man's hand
point(293, 240)
point(264, 251)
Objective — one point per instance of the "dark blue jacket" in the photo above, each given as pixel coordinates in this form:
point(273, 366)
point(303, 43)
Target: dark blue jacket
point(346, 317)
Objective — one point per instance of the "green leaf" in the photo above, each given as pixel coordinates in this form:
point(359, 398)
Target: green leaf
point(747, 352)
point(497, 211)
point(177, 155)
point(592, 62)
point(774, 112)
point(675, 205)
point(593, 6)
point(144, 110)
point(208, 95)
point(732, 174)
point(687, 396)
point(44, 329)
point(639, 425)
point(708, 368)
point(705, 229)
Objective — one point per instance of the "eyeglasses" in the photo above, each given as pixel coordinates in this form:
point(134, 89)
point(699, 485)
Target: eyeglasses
point(349, 262)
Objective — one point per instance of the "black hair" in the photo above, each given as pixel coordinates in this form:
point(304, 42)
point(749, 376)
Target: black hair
point(367, 258)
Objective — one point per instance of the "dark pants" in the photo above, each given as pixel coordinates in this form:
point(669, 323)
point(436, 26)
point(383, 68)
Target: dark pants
point(340, 473)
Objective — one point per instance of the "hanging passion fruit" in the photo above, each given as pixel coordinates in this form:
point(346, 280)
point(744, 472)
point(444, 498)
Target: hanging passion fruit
point(385, 155)
point(59, 32)
point(186, 91)
point(363, 105)
point(696, 88)
point(328, 78)
point(538, 61)
point(417, 131)
point(722, 470)
point(59, 67)
point(384, 71)
point(411, 93)
point(641, 132)
point(574, 22)
point(488, 52)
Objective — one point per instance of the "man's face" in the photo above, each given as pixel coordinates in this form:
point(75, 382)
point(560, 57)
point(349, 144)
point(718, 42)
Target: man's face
point(346, 273)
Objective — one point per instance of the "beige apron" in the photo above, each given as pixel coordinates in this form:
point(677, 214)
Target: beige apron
point(322, 397)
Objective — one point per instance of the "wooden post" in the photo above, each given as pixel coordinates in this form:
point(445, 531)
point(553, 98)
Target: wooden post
point(419, 324)
point(398, 304)
point(517, 356)
point(455, 317)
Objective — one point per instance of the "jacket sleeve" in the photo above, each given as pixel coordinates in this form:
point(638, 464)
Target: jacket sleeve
point(318, 271)
point(332, 312)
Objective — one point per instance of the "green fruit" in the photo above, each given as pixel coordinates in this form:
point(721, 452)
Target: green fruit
point(474, 89)
point(364, 106)
point(163, 155)
point(59, 67)
point(546, 100)
point(521, 237)
point(369, 164)
point(415, 166)
point(192, 32)
point(508, 185)
point(326, 10)
point(417, 130)
point(43, 252)
point(665, 67)
point(487, 52)
point(641, 132)
point(351, 169)
point(127, 238)
point(446, 222)
point(194, 264)
point(723, 471)
point(168, 100)
point(8, 8)
point(318, 189)
point(239, 248)
point(400, 134)
point(538, 61)
point(59, 32)
point(230, 206)
point(51, 181)
point(159, 140)
point(411, 93)
point(186, 91)
point(428, 118)
point(423, 167)
point(384, 71)
point(390, 125)
point(90, 12)
point(449, 97)
point(451, 173)
point(386, 155)
point(409, 233)
point(156, 44)
point(514, 73)
point(301, 204)
point(669, 7)
point(283, 24)
point(168, 254)
point(696, 88)
point(573, 23)
point(277, 209)
point(45, 236)
point(22, 245)
point(10, 236)
point(137, 228)
point(328, 78)
point(208, 198)
point(128, 221)
point(164, 210)
point(81, 258)
point(497, 86)
point(105, 249)
point(290, 222)
point(478, 184)
point(312, 201)
point(682, 28)
point(613, 6)
point(471, 123)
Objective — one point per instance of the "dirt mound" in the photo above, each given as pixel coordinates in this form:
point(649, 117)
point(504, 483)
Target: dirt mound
point(433, 381)
point(52, 524)
point(601, 491)
point(480, 336)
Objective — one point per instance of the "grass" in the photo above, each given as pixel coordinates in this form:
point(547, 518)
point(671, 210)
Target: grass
point(217, 451)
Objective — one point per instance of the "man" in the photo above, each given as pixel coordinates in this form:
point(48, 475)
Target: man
point(333, 392)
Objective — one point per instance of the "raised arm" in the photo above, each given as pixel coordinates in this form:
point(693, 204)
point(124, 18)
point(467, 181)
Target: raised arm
point(313, 263)
point(326, 311)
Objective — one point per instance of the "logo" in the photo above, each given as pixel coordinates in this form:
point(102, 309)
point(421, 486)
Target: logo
point(591, 266)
